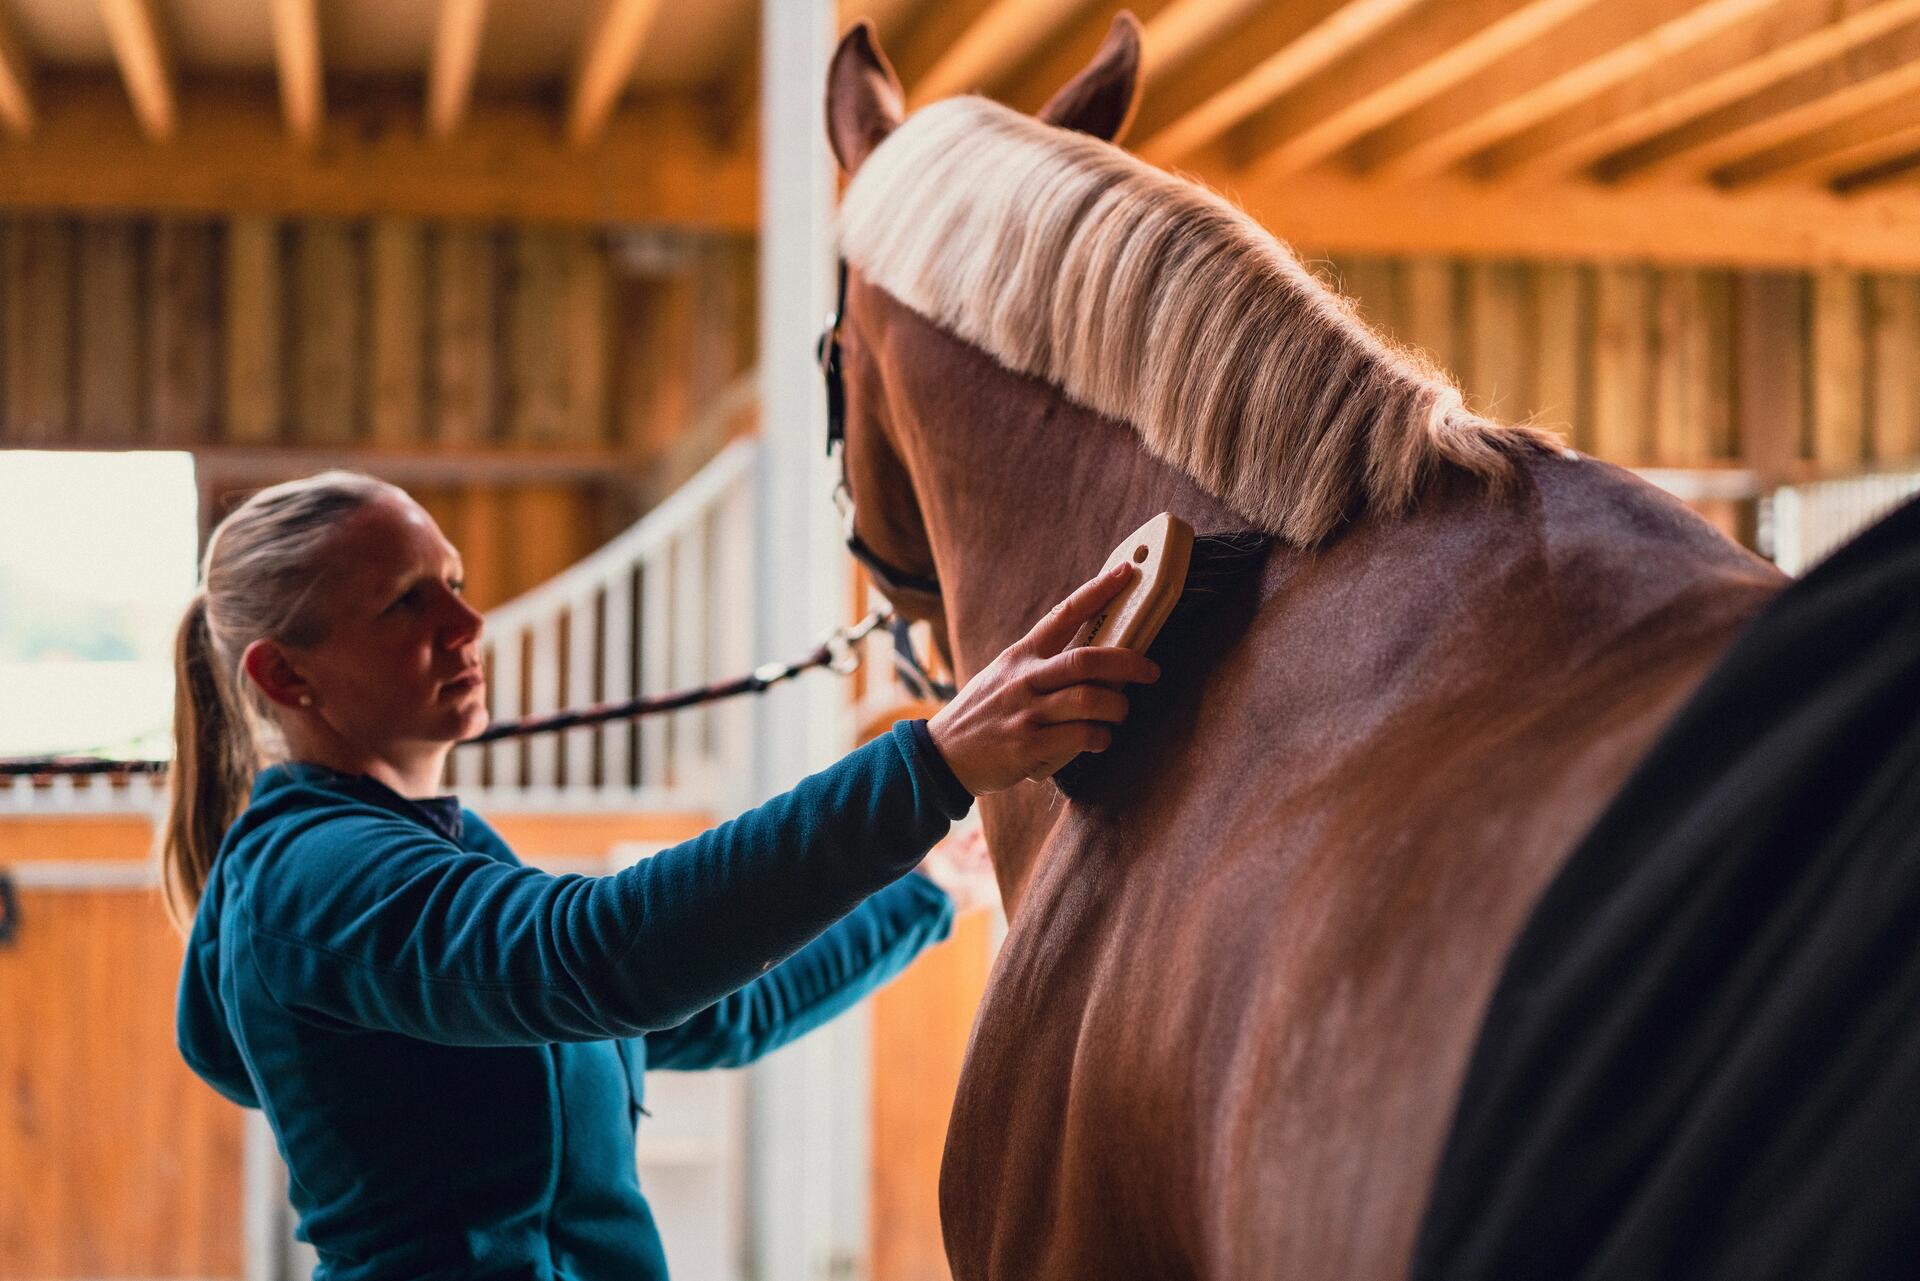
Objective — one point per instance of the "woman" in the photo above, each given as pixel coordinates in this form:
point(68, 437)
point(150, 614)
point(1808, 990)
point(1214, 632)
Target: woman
point(449, 1045)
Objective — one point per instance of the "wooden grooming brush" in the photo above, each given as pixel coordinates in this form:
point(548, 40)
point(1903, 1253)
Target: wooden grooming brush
point(1173, 609)
point(1160, 551)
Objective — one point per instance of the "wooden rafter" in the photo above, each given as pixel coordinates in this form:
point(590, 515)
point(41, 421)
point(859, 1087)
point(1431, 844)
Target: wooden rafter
point(889, 17)
point(1000, 38)
point(1406, 66)
point(296, 56)
point(1895, 170)
point(608, 52)
point(1743, 61)
point(1880, 71)
point(1774, 226)
point(1253, 62)
point(656, 162)
point(1861, 142)
point(1062, 57)
point(16, 80)
point(456, 52)
point(928, 31)
point(736, 93)
point(1600, 48)
point(133, 29)
point(1178, 31)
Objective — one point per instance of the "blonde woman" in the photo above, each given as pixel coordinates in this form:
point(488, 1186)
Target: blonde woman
point(449, 1045)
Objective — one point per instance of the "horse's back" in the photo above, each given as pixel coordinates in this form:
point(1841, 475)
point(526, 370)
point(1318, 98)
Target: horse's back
point(1227, 1028)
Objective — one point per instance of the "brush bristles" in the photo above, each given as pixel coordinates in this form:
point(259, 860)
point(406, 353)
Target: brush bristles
point(1222, 568)
point(1221, 561)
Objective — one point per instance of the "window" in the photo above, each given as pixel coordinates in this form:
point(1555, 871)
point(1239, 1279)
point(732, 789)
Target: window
point(97, 557)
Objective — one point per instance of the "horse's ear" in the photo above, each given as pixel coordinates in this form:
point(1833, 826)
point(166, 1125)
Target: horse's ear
point(1101, 98)
point(864, 102)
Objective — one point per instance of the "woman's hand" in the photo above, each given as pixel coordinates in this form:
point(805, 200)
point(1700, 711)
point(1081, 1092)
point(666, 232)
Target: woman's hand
point(1035, 708)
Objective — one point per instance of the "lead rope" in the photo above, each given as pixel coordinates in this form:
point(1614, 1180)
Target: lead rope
point(839, 652)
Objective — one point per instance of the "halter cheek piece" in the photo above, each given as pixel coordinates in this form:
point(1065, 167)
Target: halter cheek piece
point(890, 579)
point(887, 577)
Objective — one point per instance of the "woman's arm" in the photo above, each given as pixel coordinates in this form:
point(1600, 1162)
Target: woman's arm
point(356, 914)
point(359, 915)
point(816, 984)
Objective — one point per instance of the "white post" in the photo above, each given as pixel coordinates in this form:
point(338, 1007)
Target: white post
point(807, 1120)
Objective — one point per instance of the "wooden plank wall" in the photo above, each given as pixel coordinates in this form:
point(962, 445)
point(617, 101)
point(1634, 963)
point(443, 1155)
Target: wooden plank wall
point(1787, 373)
point(921, 1022)
point(117, 1161)
point(464, 348)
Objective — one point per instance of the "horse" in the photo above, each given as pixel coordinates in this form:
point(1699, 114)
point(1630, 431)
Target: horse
point(1246, 962)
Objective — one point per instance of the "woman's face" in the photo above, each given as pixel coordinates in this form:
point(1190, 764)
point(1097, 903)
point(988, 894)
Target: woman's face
point(398, 673)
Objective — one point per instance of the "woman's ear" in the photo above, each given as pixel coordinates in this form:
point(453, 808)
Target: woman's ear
point(864, 101)
point(267, 666)
point(1100, 100)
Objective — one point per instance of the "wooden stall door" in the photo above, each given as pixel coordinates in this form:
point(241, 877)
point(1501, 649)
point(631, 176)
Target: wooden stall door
point(115, 1160)
point(920, 1027)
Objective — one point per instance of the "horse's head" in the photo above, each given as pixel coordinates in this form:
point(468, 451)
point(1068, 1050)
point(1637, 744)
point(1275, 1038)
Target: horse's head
point(865, 105)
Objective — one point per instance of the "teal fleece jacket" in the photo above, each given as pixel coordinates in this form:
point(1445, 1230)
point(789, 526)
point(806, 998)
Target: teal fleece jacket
point(449, 1045)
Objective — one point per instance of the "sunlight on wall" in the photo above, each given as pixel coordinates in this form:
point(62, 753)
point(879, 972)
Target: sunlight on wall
point(96, 564)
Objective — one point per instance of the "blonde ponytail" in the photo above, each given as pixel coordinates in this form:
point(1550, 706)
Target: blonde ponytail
point(213, 764)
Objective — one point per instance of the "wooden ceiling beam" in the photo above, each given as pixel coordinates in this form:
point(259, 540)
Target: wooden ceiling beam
point(889, 17)
point(1862, 78)
point(608, 52)
point(16, 80)
point(1176, 32)
point(456, 52)
point(926, 31)
point(1861, 142)
point(1597, 50)
point(657, 162)
point(1037, 77)
point(1430, 54)
point(1899, 168)
point(1249, 64)
point(1002, 37)
point(1742, 61)
point(296, 57)
point(1766, 227)
point(133, 29)
point(735, 96)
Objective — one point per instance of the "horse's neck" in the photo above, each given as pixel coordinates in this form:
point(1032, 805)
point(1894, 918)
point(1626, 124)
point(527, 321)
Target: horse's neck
point(1023, 496)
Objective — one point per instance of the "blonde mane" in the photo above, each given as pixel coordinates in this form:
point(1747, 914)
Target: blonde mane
point(1153, 301)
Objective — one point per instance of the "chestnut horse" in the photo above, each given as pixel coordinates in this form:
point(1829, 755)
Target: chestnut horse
point(1246, 965)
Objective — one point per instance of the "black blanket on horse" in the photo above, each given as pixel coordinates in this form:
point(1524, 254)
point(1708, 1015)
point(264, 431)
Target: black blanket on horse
point(1703, 1056)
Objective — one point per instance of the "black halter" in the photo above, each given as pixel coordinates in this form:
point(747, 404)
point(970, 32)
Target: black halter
point(889, 578)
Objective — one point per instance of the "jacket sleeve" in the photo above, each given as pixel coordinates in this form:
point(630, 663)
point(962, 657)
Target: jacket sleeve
point(360, 916)
point(825, 978)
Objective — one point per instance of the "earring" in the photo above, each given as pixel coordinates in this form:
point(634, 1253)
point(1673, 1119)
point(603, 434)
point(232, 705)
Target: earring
point(306, 700)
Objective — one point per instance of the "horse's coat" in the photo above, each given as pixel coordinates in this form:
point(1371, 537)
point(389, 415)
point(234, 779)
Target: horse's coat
point(1243, 976)
point(1701, 1060)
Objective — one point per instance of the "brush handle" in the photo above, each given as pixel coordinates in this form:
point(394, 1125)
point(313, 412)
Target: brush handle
point(1160, 551)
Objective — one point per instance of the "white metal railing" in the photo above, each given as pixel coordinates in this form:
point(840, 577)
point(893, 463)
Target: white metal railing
point(98, 794)
point(665, 605)
point(1803, 524)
